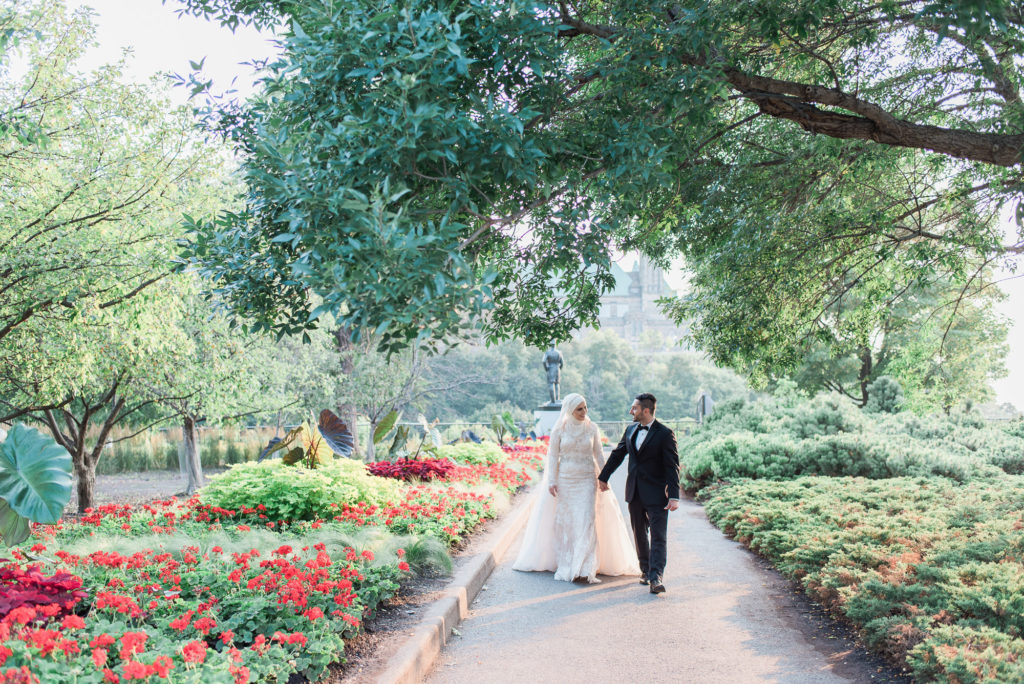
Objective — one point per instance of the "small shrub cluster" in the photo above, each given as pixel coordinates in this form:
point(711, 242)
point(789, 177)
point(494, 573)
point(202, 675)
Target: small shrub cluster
point(783, 437)
point(53, 596)
point(406, 469)
point(931, 570)
point(295, 492)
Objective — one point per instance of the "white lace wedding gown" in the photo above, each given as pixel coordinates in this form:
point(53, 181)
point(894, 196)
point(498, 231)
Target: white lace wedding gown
point(581, 532)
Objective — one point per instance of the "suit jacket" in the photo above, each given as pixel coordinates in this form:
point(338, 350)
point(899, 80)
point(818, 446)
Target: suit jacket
point(653, 469)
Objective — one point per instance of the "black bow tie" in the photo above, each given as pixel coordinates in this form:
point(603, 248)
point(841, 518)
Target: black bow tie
point(644, 427)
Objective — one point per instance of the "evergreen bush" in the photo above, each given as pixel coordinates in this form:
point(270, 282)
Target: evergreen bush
point(790, 436)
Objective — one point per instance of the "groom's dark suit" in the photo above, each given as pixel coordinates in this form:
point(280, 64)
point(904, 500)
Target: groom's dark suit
point(653, 479)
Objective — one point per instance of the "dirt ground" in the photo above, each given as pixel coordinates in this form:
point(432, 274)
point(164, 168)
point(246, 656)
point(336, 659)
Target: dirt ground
point(136, 488)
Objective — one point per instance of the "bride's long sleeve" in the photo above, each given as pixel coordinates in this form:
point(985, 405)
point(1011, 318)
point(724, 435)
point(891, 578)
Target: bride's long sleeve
point(553, 457)
point(598, 451)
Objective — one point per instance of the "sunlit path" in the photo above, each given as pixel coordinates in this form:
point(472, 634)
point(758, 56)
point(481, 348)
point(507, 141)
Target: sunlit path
point(723, 619)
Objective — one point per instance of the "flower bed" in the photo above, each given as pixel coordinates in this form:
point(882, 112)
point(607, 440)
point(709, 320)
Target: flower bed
point(196, 592)
point(195, 615)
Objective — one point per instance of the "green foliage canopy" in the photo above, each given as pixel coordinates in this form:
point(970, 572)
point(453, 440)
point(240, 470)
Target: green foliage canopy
point(415, 164)
point(88, 210)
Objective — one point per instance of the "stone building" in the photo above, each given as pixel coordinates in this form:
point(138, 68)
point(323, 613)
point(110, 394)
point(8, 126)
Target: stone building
point(630, 310)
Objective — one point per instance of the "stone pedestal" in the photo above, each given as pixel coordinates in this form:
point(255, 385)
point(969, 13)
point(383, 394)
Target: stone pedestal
point(545, 417)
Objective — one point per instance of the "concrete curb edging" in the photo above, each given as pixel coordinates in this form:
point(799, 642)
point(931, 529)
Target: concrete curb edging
point(416, 658)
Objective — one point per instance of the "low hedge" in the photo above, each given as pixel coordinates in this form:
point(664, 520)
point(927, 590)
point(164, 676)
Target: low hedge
point(786, 437)
point(932, 571)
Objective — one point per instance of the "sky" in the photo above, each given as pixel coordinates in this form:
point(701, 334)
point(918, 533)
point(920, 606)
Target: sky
point(163, 42)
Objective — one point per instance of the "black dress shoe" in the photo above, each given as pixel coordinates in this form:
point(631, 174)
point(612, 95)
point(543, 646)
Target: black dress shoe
point(644, 581)
point(658, 588)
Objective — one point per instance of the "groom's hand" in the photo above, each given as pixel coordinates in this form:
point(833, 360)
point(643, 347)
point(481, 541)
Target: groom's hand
point(602, 485)
point(673, 505)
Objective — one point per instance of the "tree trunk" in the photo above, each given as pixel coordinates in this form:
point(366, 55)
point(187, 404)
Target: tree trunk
point(865, 374)
point(347, 412)
point(85, 475)
point(371, 452)
point(188, 457)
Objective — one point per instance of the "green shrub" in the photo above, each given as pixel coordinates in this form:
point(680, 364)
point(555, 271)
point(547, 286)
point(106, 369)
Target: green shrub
point(930, 570)
point(782, 438)
point(1015, 428)
point(884, 396)
point(295, 492)
point(468, 452)
point(966, 655)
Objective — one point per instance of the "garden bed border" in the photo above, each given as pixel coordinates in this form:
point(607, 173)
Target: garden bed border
point(414, 660)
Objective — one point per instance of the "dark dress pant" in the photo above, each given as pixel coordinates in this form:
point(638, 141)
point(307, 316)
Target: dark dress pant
point(650, 530)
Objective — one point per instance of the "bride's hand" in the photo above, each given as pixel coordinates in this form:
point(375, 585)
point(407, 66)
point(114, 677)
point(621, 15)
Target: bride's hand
point(553, 489)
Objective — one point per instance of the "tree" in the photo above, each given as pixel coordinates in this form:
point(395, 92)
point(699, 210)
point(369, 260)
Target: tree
point(415, 165)
point(219, 375)
point(601, 366)
point(485, 380)
point(939, 360)
point(93, 174)
point(118, 347)
point(611, 374)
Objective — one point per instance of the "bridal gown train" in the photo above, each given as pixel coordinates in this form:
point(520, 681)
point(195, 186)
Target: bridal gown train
point(581, 532)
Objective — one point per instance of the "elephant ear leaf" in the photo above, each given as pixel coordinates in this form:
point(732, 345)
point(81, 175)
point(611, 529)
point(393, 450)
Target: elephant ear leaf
point(399, 447)
point(280, 444)
point(35, 481)
point(336, 433)
point(384, 427)
point(293, 456)
point(14, 528)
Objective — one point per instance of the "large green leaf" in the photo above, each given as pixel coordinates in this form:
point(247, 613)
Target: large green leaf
point(293, 456)
point(384, 427)
point(35, 475)
point(283, 443)
point(399, 447)
point(13, 527)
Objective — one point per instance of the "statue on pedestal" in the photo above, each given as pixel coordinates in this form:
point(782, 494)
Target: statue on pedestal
point(553, 365)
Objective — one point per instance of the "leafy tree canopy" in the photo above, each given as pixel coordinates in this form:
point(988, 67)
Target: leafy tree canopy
point(420, 164)
point(94, 175)
point(939, 358)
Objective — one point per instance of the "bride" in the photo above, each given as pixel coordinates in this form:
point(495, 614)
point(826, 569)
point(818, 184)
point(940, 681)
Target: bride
point(574, 529)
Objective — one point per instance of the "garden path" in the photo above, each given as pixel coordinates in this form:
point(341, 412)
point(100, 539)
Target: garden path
point(726, 617)
point(136, 488)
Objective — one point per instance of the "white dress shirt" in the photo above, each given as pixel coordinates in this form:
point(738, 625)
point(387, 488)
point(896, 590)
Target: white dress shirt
point(641, 435)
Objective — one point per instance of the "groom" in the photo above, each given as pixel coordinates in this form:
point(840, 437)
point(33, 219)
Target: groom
point(652, 486)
